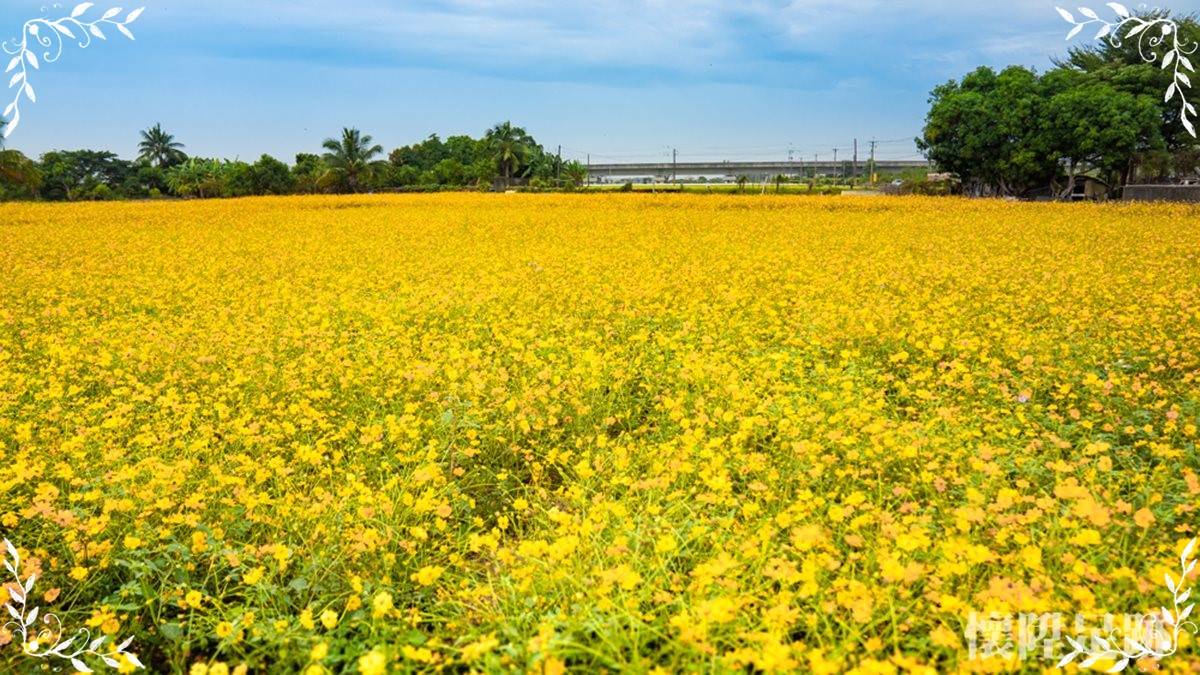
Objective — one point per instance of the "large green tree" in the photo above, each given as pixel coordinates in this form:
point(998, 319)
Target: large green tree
point(76, 174)
point(1102, 110)
point(1096, 127)
point(989, 130)
point(1133, 65)
point(352, 158)
point(269, 176)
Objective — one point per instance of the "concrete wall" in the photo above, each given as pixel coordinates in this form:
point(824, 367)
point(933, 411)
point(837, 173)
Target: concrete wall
point(1161, 193)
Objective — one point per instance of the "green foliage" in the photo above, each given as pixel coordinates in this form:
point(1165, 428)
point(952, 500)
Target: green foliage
point(450, 172)
point(506, 153)
point(1093, 125)
point(144, 181)
point(308, 173)
point(1125, 67)
point(351, 160)
point(575, 173)
point(199, 178)
point(160, 148)
point(1100, 111)
point(101, 193)
point(989, 129)
point(351, 163)
point(222, 178)
point(20, 177)
point(269, 176)
point(420, 156)
point(74, 174)
point(509, 146)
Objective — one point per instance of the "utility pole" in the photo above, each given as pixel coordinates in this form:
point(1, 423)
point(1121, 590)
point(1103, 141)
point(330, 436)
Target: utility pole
point(872, 171)
point(674, 164)
point(589, 167)
point(854, 169)
point(558, 172)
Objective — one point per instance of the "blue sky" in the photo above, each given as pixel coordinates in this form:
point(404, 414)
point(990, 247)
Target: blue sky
point(624, 80)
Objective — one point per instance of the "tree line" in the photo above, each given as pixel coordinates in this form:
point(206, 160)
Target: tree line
point(506, 155)
point(1099, 112)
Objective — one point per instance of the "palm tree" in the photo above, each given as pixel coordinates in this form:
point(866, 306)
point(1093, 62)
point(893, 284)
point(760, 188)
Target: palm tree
point(160, 148)
point(510, 147)
point(352, 157)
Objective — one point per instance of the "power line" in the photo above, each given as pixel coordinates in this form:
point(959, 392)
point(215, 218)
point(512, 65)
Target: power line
point(766, 151)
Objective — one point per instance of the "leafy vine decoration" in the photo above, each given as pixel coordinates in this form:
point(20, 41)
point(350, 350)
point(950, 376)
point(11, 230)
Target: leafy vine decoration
point(1152, 33)
point(1126, 650)
point(48, 37)
point(33, 640)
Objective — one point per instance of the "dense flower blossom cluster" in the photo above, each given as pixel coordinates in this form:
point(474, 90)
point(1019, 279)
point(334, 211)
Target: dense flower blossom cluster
point(627, 432)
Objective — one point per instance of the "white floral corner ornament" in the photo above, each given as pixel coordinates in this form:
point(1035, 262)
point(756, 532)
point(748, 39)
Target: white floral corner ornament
point(1152, 33)
point(51, 643)
point(46, 36)
point(1123, 651)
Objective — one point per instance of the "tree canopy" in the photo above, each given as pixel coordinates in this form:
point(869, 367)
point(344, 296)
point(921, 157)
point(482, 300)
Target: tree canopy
point(350, 162)
point(160, 148)
point(1100, 111)
point(352, 158)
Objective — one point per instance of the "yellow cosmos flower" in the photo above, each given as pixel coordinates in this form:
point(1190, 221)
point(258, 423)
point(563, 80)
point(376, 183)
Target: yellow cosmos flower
point(373, 662)
point(381, 605)
point(778, 433)
point(329, 618)
point(254, 576)
point(428, 575)
point(194, 599)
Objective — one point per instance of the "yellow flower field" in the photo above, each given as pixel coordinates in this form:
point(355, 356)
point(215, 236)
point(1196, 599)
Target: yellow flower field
point(625, 432)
